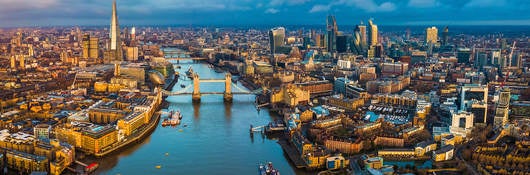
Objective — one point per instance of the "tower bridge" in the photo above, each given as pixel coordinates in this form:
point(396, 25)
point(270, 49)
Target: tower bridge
point(227, 93)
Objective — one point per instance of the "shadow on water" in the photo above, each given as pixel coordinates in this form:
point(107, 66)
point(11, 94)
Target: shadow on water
point(228, 111)
point(196, 110)
point(110, 161)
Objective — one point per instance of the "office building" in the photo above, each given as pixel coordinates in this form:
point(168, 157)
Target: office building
point(474, 98)
point(90, 46)
point(431, 35)
point(501, 110)
point(445, 36)
point(373, 33)
point(463, 55)
point(332, 31)
point(276, 38)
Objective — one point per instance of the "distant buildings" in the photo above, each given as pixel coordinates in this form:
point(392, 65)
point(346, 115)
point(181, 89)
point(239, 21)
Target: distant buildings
point(431, 35)
point(90, 47)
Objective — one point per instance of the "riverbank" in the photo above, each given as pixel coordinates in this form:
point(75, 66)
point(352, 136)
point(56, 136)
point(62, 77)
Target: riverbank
point(146, 130)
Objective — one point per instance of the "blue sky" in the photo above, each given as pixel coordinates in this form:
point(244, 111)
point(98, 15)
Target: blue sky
point(258, 12)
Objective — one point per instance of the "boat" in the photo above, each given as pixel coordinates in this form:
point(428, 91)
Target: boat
point(189, 72)
point(173, 119)
point(177, 66)
point(267, 169)
point(182, 86)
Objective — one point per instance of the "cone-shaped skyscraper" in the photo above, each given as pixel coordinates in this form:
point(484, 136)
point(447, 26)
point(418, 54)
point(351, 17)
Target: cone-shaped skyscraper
point(114, 52)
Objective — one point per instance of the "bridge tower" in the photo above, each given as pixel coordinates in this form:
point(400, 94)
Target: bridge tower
point(196, 95)
point(228, 88)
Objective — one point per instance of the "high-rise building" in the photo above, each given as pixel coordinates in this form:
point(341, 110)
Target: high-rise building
point(362, 34)
point(90, 46)
point(474, 98)
point(501, 111)
point(463, 55)
point(431, 35)
point(342, 43)
point(373, 33)
point(114, 52)
point(276, 38)
point(332, 30)
point(356, 46)
point(445, 36)
point(13, 62)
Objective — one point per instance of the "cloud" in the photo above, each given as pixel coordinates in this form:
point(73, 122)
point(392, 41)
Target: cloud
point(422, 3)
point(365, 5)
point(486, 3)
point(320, 8)
point(287, 2)
point(272, 11)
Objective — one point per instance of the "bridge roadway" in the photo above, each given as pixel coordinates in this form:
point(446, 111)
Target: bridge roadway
point(210, 93)
point(180, 58)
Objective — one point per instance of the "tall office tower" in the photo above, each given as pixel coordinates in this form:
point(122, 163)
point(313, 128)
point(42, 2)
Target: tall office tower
point(276, 38)
point(431, 35)
point(133, 33)
point(332, 30)
point(474, 98)
point(115, 53)
point(356, 46)
point(317, 40)
point(362, 34)
point(373, 33)
point(21, 61)
point(407, 34)
point(501, 111)
point(445, 36)
point(90, 46)
point(342, 43)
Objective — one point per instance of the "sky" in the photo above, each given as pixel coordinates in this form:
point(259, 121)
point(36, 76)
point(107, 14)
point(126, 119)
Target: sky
point(15, 13)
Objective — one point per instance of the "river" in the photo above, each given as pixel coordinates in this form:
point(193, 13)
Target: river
point(215, 141)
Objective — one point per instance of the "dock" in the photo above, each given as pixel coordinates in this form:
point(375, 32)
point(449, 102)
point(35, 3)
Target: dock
point(293, 154)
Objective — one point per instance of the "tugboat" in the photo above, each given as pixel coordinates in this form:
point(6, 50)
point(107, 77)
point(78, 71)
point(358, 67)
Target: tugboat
point(267, 169)
point(173, 119)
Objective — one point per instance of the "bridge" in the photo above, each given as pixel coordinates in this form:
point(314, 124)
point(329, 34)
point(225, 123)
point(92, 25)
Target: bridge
point(227, 93)
point(185, 58)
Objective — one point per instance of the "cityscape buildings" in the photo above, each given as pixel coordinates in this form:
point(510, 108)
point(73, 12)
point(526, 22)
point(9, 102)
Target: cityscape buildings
point(371, 99)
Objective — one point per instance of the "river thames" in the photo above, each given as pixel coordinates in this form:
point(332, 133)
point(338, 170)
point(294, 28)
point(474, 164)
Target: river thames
point(216, 139)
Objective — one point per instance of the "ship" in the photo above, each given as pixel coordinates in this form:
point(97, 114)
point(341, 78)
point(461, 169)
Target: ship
point(173, 119)
point(182, 86)
point(267, 169)
point(189, 72)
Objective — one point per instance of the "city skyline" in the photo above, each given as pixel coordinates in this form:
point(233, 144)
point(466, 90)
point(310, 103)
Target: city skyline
point(276, 12)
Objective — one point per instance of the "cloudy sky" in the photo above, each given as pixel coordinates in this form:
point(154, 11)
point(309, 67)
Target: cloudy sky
point(258, 12)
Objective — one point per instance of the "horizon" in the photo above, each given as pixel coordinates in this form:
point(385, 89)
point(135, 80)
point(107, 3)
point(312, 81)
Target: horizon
point(275, 12)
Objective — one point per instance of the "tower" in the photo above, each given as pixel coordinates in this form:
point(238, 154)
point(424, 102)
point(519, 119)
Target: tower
point(228, 88)
point(445, 36)
point(196, 95)
point(431, 35)
point(114, 52)
point(276, 39)
point(373, 33)
point(117, 69)
point(501, 111)
point(332, 30)
point(362, 34)
point(13, 62)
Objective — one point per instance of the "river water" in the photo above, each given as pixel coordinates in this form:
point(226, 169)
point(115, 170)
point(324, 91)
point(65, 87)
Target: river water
point(216, 139)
